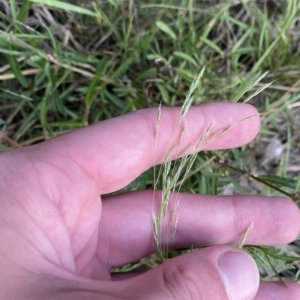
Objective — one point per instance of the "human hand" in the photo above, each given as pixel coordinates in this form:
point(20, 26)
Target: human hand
point(58, 240)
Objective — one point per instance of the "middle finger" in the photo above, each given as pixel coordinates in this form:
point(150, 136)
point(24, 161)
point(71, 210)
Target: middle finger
point(199, 220)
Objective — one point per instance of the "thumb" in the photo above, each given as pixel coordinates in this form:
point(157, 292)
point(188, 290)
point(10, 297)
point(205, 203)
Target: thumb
point(214, 273)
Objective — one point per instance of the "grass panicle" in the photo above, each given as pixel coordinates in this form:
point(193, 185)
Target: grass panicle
point(172, 173)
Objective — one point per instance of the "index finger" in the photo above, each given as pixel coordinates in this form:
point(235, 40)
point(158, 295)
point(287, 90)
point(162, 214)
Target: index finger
point(114, 152)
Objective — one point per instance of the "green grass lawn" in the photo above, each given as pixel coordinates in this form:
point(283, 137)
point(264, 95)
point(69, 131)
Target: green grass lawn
point(67, 64)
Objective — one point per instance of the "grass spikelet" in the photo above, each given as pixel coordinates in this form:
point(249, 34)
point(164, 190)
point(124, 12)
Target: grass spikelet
point(248, 87)
point(244, 238)
point(189, 97)
point(258, 91)
point(158, 120)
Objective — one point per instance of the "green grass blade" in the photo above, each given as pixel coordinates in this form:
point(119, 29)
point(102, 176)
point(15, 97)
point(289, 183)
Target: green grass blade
point(273, 267)
point(279, 181)
point(166, 29)
point(66, 6)
point(122, 68)
point(212, 45)
point(186, 57)
point(15, 67)
point(12, 36)
point(24, 11)
point(297, 188)
point(92, 90)
point(13, 10)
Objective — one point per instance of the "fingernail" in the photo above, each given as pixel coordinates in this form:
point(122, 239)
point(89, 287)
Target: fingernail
point(240, 275)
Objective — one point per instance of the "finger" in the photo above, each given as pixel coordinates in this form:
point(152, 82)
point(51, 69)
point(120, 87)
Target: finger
point(276, 290)
point(116, 151)
point(202, 220)
point(215, 273)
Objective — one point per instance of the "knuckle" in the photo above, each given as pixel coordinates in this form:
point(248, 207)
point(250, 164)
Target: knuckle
point(181, 283)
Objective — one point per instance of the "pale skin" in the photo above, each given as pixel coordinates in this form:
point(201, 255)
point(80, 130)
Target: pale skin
point(59, 240)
